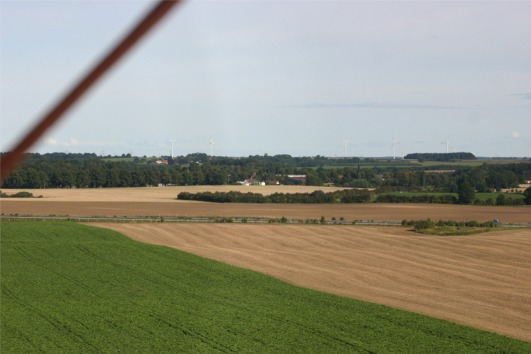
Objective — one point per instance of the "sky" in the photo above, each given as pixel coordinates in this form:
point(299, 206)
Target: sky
point(305, 78)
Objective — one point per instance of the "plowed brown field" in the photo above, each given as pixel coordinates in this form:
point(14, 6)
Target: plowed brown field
point(482, 281)
point(162, 202)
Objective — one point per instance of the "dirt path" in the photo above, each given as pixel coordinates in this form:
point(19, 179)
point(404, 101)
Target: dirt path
point(481, 281)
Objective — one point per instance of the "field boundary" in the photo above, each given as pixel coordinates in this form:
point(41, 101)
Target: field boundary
point(185, 219)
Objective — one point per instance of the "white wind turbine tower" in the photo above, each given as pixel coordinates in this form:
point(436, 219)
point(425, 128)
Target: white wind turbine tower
point(447, 142)
point(171, 152)
point(393, 146)
point(211, 145)
point(345, 142)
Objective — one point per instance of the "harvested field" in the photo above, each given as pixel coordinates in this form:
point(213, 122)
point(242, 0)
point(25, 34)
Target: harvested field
point(481, 280)
point(155, 194)
point(385, 212)
point(161, 202)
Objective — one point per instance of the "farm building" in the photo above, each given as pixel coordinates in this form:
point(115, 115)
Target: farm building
point(301, 178)
point(251, 181)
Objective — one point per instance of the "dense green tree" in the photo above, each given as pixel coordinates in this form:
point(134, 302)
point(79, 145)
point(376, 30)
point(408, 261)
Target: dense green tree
point(465, 193)
point(312, 179)
point(500, 199)
point(527, 196)
point(14, 180)
point(125, 176)
point(97, 174)
point(441, 156)
point(164, 176)
point(151, 177)
point(82, 179)
point(112, 175)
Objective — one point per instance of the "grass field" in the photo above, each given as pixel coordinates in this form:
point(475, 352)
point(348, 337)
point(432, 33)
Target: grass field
point(479, 198)
point(494, 195)
point(458, 231)
point(482, 196)
point(412, 194)
point(425, 164)
point(74, 288)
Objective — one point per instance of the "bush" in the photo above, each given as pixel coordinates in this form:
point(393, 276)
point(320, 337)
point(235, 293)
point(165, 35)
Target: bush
point(424, 224)
point(472, 223)
point(427, 223)
point(527, 196)
point(223, 220)
point(451, 223)
point(426, 198)
point(17, 195)
point(466, 193)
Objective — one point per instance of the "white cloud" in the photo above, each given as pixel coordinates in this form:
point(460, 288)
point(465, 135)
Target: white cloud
point(51, 141)
point(515, 135)
point(74, 142)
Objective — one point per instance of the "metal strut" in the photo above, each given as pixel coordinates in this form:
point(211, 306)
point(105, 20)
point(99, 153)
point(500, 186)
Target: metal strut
point(9, 159)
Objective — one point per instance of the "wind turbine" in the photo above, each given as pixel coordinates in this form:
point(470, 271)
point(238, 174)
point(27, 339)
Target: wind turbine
point(447, 142)
point(171, 153)
point(211, 145)
point(393, 146)
point(345, 142)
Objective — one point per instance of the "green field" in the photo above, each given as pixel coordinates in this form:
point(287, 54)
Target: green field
point(494, 195)
point(69, 288)
point(422, 165)
point(446, 165)
point(413, 194)
point(480, 196)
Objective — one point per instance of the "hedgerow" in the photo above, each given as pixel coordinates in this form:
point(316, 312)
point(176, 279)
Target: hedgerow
point(343, 196)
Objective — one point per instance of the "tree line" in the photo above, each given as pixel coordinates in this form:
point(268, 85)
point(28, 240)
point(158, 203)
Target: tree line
point(428, 198)
point(343, 196)
point(87, 171)
point(450, 156)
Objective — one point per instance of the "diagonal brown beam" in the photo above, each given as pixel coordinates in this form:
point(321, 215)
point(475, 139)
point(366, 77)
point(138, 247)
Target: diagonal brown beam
point(10, 159)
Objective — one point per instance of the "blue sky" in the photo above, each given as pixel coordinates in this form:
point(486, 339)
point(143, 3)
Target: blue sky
point(295, 77)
